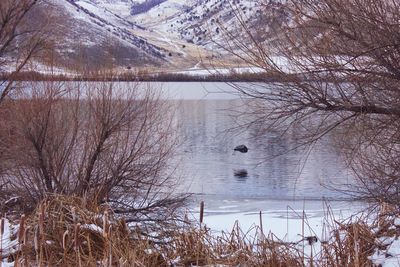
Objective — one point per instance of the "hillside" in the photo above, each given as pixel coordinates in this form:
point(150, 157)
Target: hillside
point(153, 33)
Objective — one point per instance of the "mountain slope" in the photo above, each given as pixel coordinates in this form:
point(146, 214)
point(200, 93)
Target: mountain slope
point(159, 33)
point(102, 35)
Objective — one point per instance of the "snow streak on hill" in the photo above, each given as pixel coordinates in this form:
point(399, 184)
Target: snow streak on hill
point(155, 32)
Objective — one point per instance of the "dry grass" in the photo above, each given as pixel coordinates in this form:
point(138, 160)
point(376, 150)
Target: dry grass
point(67, 231)
point(236, 248)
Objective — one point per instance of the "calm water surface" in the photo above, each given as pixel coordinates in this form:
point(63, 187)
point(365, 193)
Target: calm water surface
point(236, 186)
point(208, 166)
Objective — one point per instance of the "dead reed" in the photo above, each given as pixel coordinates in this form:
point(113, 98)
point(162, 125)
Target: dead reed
point(69, 231)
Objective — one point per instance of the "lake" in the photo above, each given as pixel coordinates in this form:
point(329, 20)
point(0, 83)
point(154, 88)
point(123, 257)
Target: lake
point(237, 186)
point(212, 167)
point(209, 133)
point(234, 184)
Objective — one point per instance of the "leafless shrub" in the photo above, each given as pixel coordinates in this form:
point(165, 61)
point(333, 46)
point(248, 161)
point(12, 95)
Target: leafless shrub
point(103, 141)
point(337, 67)
point(20, 40)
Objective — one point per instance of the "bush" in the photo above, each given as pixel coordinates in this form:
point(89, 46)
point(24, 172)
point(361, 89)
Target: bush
point(105, 142)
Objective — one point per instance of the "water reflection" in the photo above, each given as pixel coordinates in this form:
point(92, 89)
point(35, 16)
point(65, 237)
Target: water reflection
point(209, 162)
point(241, 175)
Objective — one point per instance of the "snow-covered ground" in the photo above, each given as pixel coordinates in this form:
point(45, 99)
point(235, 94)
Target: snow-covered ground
point(220, 71)
point(380, 258)
point(292, 221)
point(289, 221)
point(282, 218)
point(7, 246)
point(285, 220)
point(390, 256)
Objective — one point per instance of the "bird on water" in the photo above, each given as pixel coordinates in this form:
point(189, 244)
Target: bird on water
point(241, 148)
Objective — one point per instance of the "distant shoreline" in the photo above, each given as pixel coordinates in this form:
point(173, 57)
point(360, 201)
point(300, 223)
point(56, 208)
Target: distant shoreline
point(128, 77)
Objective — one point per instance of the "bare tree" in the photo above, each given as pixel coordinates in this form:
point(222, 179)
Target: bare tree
point(101, 141)
point(335, 65)
point(20, 40)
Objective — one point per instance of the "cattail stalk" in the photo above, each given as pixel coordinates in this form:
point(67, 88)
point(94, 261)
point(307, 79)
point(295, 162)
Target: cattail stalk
point(109, 248)
point(105, 224)
point(74, 217)
point(21, 230)
point(201, 211)
point(107, 244)
point(36, 244)
point(42, 211)
point(356, 247)
point(2, 226)
point(64, 243)
point(76, 236)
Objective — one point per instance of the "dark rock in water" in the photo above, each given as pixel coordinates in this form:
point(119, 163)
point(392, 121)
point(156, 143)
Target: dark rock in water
point(241, 148)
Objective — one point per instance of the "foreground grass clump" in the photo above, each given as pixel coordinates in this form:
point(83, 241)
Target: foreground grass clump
point(68, 231)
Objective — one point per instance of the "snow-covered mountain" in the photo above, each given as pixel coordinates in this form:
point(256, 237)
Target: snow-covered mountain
point(152, 32)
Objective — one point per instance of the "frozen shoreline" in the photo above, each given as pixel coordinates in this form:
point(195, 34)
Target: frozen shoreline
point(284, 219)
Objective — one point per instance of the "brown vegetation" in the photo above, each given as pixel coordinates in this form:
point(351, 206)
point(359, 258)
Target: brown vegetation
point(141, 76)
point(105, 142)
point(70, 231)
point(20, 39)
point(337, 66)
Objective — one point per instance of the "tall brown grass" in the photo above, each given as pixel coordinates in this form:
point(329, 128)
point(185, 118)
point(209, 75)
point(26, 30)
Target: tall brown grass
point(69, 231)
